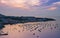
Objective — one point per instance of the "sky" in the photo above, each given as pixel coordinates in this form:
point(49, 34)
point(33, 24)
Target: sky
point(30, 7)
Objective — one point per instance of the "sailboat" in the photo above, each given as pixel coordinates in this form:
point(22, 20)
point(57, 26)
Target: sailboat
point(1, 34)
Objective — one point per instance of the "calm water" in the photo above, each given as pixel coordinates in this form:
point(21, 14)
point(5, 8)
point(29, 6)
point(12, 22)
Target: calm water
point(33, 30)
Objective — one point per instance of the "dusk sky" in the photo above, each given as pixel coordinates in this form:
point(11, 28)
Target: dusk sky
point(42, 28)
point(30, 7)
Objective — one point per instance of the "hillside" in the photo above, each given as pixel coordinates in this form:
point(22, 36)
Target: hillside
point(14, 20)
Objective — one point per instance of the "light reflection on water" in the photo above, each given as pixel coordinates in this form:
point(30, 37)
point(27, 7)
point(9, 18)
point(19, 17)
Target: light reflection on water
point(32, 30)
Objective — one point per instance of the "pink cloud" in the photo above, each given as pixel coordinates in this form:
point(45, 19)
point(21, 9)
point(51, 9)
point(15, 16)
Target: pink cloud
point(24, 4)
point(54, 6)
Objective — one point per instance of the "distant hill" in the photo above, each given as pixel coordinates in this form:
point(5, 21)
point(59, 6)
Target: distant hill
point(14, 20)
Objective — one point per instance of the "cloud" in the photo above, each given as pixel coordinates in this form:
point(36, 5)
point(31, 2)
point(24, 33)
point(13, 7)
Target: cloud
point(57, 3)
point(25, 4)
point(54, 6)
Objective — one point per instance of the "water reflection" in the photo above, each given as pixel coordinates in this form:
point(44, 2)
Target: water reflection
point(29, 30)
